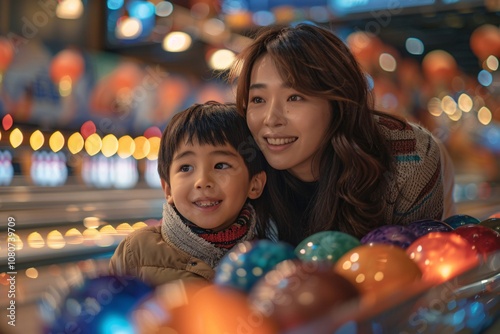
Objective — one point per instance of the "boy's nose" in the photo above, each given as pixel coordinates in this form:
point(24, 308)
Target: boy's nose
point(204, 180)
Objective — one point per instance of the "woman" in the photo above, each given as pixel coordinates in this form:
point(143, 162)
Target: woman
point(337, 164)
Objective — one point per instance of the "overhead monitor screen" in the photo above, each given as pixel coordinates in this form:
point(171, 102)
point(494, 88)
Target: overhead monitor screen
point(344, 7)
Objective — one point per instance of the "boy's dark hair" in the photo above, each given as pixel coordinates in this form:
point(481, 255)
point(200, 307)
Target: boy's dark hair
point(210, 123)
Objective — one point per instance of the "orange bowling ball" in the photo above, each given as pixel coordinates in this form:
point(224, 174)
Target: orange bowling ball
point(378, 269)
point(495, 215)
point(184, 308)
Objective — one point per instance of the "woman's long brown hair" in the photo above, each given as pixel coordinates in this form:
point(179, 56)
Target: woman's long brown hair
point(354, 159)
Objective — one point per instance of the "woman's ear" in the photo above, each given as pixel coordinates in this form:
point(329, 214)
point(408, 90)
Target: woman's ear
point(167, 192)
point(257, 184)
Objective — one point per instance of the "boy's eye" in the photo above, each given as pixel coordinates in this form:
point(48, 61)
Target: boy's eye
point(185, 168)
point(222, 165)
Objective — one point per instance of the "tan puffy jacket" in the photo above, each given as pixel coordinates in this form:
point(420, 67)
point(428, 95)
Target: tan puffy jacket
point(157, 265)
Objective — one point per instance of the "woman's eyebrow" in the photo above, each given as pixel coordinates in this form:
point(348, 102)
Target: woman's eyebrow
point(257, 86)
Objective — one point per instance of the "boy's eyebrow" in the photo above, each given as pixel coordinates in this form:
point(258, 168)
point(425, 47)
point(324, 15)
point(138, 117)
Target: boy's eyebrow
point(182, 155)
point(224, 152)
point(216, 152)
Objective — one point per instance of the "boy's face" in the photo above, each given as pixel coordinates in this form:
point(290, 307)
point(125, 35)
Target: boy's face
point(210, 184)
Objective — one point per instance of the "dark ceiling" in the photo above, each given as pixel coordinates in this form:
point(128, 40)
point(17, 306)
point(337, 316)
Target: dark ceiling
point(437, 28)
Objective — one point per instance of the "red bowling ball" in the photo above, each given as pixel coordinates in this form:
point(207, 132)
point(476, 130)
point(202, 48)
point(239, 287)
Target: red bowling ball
point(483, 239)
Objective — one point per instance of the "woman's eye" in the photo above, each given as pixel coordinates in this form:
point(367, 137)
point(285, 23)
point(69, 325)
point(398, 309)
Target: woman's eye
point(256, 100)
point(295, 98)
point(185, 168)
point(222, 165)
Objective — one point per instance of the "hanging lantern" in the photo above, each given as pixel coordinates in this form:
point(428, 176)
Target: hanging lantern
point(66, 68)
point(6, 53)
point(366, 48)
point(485, 41)
point(171, 95)
point(439, 67)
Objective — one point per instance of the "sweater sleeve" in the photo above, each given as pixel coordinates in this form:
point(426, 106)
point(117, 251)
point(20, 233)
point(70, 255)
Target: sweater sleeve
point(419, 179)
point(448, 173)
point(415, 188)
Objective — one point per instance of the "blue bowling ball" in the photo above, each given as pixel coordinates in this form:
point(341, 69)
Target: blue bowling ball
point(99, 305)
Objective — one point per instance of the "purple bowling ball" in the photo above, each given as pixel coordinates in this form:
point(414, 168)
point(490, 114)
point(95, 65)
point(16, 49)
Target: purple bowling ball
point(425, 226)
point(396, 235)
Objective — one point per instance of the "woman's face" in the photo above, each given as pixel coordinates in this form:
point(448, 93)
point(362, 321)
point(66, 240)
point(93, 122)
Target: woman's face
point(287, 125)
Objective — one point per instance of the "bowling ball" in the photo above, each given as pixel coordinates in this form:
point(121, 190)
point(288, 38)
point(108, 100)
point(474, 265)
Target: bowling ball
point(493, 223)
point(184, 308)
point(325, 246)
point(378, 269)
point(297, 292)
point(460, 220)
point(98, 305)
point(425, 226)
point(442, 255)
point(483, 239)
point(495, 215)
point(248, 261)
point(396, 235)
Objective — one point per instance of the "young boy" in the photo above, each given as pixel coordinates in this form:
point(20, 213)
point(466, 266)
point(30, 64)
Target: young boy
point(210, 170)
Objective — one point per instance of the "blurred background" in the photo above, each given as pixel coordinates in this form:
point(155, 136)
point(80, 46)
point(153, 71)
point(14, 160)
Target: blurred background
point(87, 86)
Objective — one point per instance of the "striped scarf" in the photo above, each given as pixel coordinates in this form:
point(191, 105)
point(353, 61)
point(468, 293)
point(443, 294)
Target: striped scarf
point(228, 237)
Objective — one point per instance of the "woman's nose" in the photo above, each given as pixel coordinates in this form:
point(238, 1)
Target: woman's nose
point(275, 115)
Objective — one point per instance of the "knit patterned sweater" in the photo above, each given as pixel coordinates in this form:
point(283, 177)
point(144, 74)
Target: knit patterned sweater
point(415, 189)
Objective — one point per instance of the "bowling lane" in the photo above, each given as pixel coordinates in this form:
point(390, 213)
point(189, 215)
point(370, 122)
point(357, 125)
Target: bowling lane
point(63, 224)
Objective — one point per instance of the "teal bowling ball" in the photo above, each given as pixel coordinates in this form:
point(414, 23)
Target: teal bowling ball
point(456, 221)
point(325, 246)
